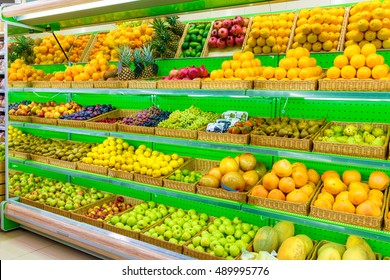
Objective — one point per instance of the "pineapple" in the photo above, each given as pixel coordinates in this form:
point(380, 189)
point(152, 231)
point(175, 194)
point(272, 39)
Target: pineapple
point(138, 62)
point(151, 67)
point(165, 41)
point(125, 54)
point(176, 25)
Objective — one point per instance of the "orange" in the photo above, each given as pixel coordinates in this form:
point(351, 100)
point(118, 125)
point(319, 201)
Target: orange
point(276, 194)
point(304, 62)
point(351, 50)
point(280, 73)
point(350, 176)
point(226, 65)
point(334, 185)
point(368, 208)
point(329, 173)
point(368, 49)
point(379, 71)
point(363, 73)
point(343, 205)
point(333, 73)
point(282, 168)
point(355, 184)
point(259, 191)
point(340, 61)
point(348, 72)
point(300, 177)
point(235, 64)
point(286, 184)
point(327, 196)
point(323, 203)
point(270, 181)
point(313, 176)
point(228, 73)
point(288, 63)
point(293, 73)
point(342, 195)
point(357, 195)
point(308, 189)
point(306, 73)
point(378, 180)
point(268, 72)
point(358, 60)
point(375, 194)
point(377, 201)
point(297, 196)
point(373, 60)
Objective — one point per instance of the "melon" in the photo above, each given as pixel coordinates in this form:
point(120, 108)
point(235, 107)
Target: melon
point(293, 248)
point(356, 252)
point(308, 242)
point(285, 230)
point(266, 239)
point(340, 248)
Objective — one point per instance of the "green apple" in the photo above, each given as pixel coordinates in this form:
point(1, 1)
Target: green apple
point(221, 228)
point(186, 225)
point(217, 222)
point(171, 210)
point(175, 227)
point(234, 250)
point(152, 230)
point(147, 220)
point(144, 205)
point(181, 242)
point(186, 217)
point(131, 221)
point(205, 241)
point(180, 221)
point(173, 240)
point(240, 244)
point(142, 224)
point(227, 246)
point(246, 238)
point(237, 220)
point(129, 227)
point(168, 234)
point(152, 204)
point(160, 230)
point(191, 212)
point(204, 217)
point(230, 239)
point(219, 250)
point(199, 248)
point(227, 222)
point(196, 240)
point(152, 216)
point(246, 227)
point(191, 246)
point(114, 220)
point(230, 230)
point(238, 233)
point(186, 236)
point(192, 231)
point(155, 235)
point(124, 218)
point(119, 225)
point(212, 228)
point(222, 241)
point(177, 233)
point(213, 243)
point(194, 217)
point(251, 233)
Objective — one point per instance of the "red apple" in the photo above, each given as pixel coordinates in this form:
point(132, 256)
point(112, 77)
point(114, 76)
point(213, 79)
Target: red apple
point(223, 33)
point(230, 41)
point(217, 24)
point(227, 23)
point(221, 44)
point(213, 42)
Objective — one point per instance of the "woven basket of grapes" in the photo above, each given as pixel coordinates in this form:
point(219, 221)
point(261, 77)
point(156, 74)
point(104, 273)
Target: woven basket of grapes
point(143, 121)
point(109, 121)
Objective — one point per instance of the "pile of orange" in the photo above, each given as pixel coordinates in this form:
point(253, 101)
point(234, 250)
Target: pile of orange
point(47, 50)
point(79, 46)
point(107, 43)
point(369, 22)
point(349, 194)
point(92, 71)
point(319, 29)
point(359, 63)
point(297, 65)
point(289, 182)
point(270, 33)
point(244, 66)
point(19, 71)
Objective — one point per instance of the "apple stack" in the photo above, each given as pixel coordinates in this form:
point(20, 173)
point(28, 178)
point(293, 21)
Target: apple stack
point(224, 238)
point(228, 33)
point(176, 229)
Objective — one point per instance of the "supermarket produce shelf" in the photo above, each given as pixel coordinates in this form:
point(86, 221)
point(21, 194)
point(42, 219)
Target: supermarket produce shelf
point(313, 95)
point(93, 240)
point(312, 156)
point(185, 197)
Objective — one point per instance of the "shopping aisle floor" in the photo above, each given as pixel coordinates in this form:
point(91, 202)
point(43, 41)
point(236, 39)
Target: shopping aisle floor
point(21, 244)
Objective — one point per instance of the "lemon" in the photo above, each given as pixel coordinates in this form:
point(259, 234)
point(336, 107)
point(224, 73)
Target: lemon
point(111, 138)
point(147, 154)
point(142, 163)
point(130, 148)
point(160, 158)
point(180, 161)
point(100, 146)
point(174, 164)
point(100, 156)
point(149, 163)
point(155, 166)
point(153, 158)
point(170, 169)
point(106, 143)
point(119, 152)
point(136, 169)
point(105, 162)
point(118, 166)
point(149, 172)
point(125, 145)
point(112, 143)
point(119, 141)
point(155, 153)
point(111, 163)
point(163, 164)
point(175, 156)
point(129, 161)
point(119, 147)
point(139, 152)
point(130, 167)
point(96, 161)
point(95, 155)
point(134, 157)
point(143, 170)
point(136, 164)
point(90, 154)
point(106, 156)
point(142, 147)
point(94, 150)
point(164, 171)
point(167, 158)
point(156, 173)
point(124, 167)
point(89, 160)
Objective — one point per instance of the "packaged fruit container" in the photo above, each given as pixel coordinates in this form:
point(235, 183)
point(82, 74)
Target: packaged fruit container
point(353, 139)
point(320, 29)
point(89, 214)
point(194, 39)
point(227, 36)
point(138, 219)
point(173, 231)
point(270, 33)
point(200, 165)
point(297, 134)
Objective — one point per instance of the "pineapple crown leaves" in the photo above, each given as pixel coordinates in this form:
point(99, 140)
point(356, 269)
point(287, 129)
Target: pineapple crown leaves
point(125, 55)
point(172, 20)
point(147, 53)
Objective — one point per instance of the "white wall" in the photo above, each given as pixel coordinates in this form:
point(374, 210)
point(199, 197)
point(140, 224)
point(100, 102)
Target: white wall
point(265, 8)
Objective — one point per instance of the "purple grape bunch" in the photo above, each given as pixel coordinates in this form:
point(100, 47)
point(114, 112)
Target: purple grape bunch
point(89, 112)
point(150, 117)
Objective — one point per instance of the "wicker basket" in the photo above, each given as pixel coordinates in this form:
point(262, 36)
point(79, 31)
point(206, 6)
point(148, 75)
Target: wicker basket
point(179, 49)
point(386, 217)
point(80, 214)
point(97, 169)
point(178, 84)
point(286, 85)
point(39, 158)
point(136, 129)
point(82, 84)
point(63, 163)
point(222, 193)
point(282, 142)
point(287, 206)
point(31, 202)
point(352, 149)
point(71, 123)
point(58, 211)
point(120, 174)
point(21, 84)
point(41, 84)
point(197, 164)
point(2, 189)
point(142, 84)
point(44, 120)
point(227, 84)
point(176, 133)
point(2, 178)
point(22, 155)
point(19, 118)
point(61, 84)
point(223, 137)
point(110, 84)
point(354, 85)
point(315, 249)
point(2, 166)
point(92, 124)
point(347, 218)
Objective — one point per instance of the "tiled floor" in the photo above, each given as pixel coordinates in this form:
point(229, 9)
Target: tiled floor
point(21, 244)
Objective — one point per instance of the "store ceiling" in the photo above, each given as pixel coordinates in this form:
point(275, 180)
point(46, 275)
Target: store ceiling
point(66, 15)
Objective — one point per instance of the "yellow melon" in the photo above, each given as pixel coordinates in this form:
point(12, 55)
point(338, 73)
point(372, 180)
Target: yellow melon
point(293, 248)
